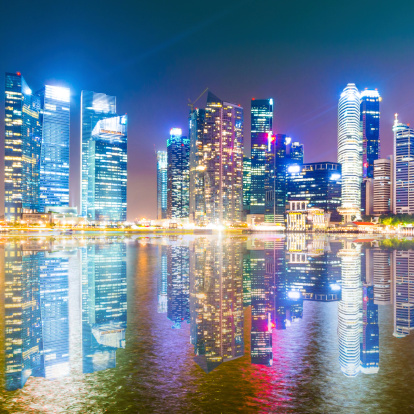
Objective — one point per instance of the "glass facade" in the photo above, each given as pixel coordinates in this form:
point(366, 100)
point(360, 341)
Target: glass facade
point(197, 168)
point(54, 159)
point(22, 146)
point(178, 155)
point(403, 168)
point(370, 125)
point(107, 175)
point(162, 164)
point(247, 184)
point(261, 122)
point(94, 107)
point(320, 184)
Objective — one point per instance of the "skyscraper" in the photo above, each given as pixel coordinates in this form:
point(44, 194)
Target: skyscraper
point(22, 148)
point(162, 164)
point(223, 161)
point(350, 151)
point(247, 184)
point(261, 124)
point(197, 167)
point(383, 183)
point(94, 107)
point(370, 123)
point(403, 168)
point(277, 160)
point(54, 159)
point(319, 183)
point(178, 155)
point(107, 175)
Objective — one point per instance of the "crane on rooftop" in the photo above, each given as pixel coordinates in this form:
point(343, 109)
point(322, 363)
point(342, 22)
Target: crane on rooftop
point(191, 104)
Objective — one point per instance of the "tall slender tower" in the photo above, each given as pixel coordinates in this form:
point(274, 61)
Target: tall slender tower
point(21, 148)
point(370, 124)
point(403, 168)
point(162, 164)
point(350, 151)
point(178, 154)
point(94, 107)
point(54, 158)
point(261, 123)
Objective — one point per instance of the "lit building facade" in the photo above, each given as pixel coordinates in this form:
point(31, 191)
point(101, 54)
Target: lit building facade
point(178, 180)
point(197, 167)
point(383, 185)
point(22, 146)
point(94, 107)
point(223, 161)
point(370, 125)
point(107, 175)
point(54, 159)
point(162, 163)
point(247, 183)
point(350, 151)
point(403, 168)
point(278, 162)
point(261, 124)
point(319, 183)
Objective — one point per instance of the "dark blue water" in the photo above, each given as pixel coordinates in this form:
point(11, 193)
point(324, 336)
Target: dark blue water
point(295, 324)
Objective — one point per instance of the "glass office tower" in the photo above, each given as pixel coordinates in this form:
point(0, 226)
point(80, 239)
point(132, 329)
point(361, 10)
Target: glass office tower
point(54, 158)
point(319, 183)
point(107, 175)
point(370, 123)
point(162, 164)
point(261, 122)
point(21, 148)
point(197, 168)
point(223, 161)
point(94, 107)
point(247, 184)
point(178, 154)
point(403, 168)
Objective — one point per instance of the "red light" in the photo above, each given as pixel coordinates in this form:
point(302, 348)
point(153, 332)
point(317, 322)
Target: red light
point(253, 99)
point(19, 74)
point(182, 145)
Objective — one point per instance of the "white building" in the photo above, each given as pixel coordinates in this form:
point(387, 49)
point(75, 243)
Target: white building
point(383, 184)
point(350, 151)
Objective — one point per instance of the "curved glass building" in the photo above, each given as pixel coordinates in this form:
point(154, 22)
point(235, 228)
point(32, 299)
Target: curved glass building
point(350, 150)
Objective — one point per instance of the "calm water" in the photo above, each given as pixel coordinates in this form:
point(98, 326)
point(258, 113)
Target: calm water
point(206, 324)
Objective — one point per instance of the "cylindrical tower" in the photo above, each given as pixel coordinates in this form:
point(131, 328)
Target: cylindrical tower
point(350, 151)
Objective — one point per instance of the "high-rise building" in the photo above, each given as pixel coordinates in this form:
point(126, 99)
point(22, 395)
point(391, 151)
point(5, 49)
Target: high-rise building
point(22, 146)
point(370, 125)
point(403, 168)
point(197, 167)
point(178, 154)
point(247, 183)
point(350, 151)
point(261, 124)
point(223, 161)
point(319, 183)
point(367, 196)
point(54, 159)
point(383, 185)
point(94, 107)
point(162, 163)
point(277, 162)
point(107, 175)
point(297, 152)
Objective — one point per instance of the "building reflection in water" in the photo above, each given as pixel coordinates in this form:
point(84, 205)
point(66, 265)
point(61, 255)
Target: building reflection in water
point(216, 300)
point(40, 308)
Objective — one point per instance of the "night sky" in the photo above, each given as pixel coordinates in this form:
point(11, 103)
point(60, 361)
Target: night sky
point(154, 55)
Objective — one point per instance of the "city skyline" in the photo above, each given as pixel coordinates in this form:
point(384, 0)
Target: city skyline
point(264, 63)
